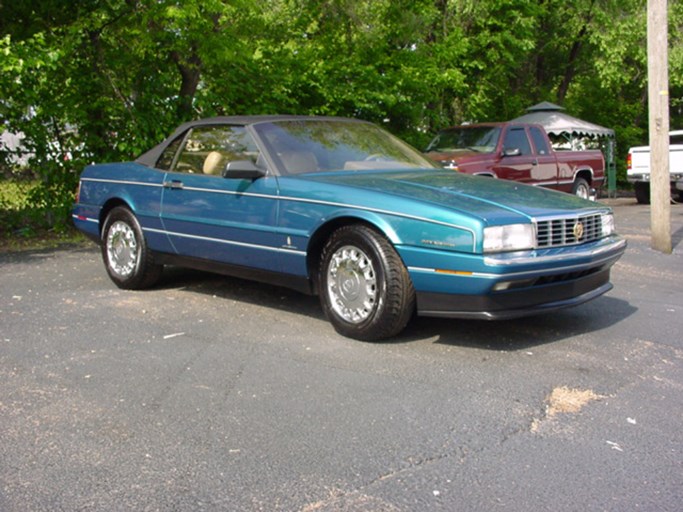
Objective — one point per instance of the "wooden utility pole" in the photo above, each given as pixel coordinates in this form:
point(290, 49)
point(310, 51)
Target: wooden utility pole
point(658, 98)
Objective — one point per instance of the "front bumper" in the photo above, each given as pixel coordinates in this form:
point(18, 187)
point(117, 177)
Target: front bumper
point(645, 177)
point(519, 285)
point(517, 303)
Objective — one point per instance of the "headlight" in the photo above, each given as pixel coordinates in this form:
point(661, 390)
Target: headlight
point(608, 224)
point(515, 237)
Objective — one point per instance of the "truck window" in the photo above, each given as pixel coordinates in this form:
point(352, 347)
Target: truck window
point(539, 140)
point(482, 139)
point(516, 138)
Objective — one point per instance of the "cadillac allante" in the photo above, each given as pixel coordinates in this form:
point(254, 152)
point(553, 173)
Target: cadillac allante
point(342, 209)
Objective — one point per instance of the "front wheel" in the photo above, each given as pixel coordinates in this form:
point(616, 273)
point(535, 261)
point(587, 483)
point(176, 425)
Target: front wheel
point(127, 258)
point(365, 290)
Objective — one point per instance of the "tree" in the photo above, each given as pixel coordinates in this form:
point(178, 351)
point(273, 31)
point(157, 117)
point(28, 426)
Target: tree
point(93, 80)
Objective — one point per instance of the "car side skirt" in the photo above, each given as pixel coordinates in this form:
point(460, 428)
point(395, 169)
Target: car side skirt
point(298, 283)
point(515, 303)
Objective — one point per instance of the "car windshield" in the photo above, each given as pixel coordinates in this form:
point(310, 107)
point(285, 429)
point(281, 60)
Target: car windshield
point(316, 145)
point(482, 139)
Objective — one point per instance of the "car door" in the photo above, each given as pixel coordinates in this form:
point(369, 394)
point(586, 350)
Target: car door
point(211, 217)
point(517, 158)
point(544, 169)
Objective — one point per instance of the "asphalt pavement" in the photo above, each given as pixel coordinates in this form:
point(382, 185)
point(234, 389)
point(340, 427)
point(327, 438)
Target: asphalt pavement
point(210, 393)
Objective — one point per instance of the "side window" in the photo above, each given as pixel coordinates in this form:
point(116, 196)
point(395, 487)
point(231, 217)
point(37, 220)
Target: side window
point(516, 138)
point(166, 159)
point(208, 149)
point(539, 141)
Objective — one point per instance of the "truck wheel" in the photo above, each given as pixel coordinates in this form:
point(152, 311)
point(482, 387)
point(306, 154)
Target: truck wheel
point(581, 188)
point(365, 290)
point(642, 192)
point(127, 258)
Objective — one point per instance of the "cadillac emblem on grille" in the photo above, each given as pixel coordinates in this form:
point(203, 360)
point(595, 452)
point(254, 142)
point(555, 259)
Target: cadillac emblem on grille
point(563, 231)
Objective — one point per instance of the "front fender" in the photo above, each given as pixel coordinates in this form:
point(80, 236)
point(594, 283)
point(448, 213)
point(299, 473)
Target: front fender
point(409, 230)
point(347, 216)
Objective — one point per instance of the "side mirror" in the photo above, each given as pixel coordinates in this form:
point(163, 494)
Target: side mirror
point(243, 170)
point(512, 152)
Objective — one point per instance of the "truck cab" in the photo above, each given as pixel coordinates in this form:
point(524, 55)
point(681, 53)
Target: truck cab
point(520, 152)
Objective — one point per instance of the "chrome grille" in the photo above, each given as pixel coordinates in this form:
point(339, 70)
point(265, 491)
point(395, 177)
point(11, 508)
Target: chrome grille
point(564, 231)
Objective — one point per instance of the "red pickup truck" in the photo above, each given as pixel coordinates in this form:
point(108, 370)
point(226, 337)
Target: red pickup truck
point(520, 152)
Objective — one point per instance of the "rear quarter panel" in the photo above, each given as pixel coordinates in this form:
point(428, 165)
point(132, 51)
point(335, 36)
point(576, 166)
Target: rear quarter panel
point(136, 186)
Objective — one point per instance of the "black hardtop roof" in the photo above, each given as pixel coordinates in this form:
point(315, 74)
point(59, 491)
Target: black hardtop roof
point(150, 157)
point(254, 119)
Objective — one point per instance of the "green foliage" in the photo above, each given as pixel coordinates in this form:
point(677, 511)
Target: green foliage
point(15, 207)
point(93, 80)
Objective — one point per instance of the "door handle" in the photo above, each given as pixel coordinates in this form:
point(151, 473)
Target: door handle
point(173, 184)
point(534, 161)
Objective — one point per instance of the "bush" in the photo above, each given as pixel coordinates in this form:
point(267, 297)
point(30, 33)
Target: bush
point(30, 206)
point(15, 206)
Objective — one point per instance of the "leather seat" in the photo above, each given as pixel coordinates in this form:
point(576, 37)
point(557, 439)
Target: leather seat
point(297, 162)
point(214, 163)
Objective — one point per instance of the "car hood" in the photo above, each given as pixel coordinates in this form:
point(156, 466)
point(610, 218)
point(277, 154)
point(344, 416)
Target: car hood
point(490, 199)
point(459, 155)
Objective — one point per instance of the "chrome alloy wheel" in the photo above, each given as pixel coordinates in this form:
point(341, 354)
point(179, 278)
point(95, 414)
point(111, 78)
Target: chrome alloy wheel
point(583, 191)
point(122, 249)
point(352, 284)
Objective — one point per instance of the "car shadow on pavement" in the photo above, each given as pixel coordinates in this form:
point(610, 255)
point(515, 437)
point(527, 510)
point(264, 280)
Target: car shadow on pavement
point(523, 333)
point(241, 290)
point(505, 335)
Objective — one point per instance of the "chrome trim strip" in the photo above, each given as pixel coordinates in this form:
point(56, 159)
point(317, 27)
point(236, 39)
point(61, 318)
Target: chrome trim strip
point(302, 200)
point(536, 260)
point(123, 182)
point(616, 245)
point(386, 212)
point(578, 215)
point(465, 273)
point(339, 205)
point(88, 219)
point(227, 242)
point(229, 192)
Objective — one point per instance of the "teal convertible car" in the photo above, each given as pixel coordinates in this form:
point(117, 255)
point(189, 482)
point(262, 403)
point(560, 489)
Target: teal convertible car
point(342, 209)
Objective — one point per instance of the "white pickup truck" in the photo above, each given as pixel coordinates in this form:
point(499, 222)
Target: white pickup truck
point(638, 168)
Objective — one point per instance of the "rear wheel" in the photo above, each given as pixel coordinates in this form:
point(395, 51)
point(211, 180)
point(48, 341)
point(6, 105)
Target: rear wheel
point(581, 188)
point(642, 192)
point(127, 258)
point(365, 289)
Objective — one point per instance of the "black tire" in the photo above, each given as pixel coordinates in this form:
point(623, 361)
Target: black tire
point(581, 188)
point(365, 289)
point(128, 260)
point(642, 192)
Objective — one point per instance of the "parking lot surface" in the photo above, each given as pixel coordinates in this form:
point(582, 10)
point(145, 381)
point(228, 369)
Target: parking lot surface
point(213, 393)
